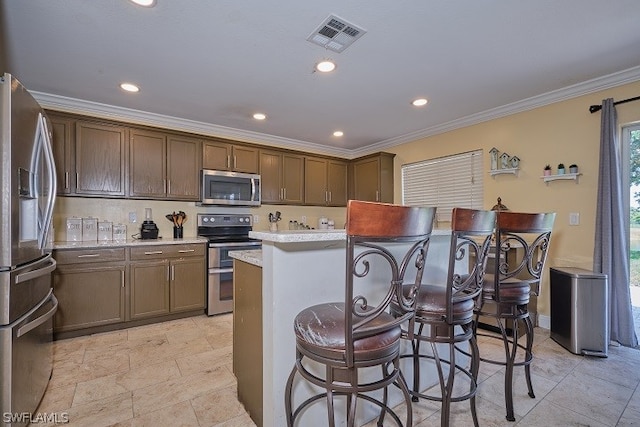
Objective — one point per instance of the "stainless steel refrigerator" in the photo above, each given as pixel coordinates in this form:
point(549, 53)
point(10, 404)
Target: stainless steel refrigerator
point(27, 303)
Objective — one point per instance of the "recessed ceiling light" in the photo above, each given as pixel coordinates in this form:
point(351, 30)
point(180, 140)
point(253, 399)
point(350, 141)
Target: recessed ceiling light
point(129, 87)
point(145, 3)
point(419, 102)
point(325, 66)
point(259, 116)
point(338, 133)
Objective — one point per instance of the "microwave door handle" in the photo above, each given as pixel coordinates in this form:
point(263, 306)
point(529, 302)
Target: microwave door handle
point(253, 189)
point(51, 178)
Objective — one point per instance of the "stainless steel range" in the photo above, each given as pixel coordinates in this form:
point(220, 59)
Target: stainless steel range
point(225, 232)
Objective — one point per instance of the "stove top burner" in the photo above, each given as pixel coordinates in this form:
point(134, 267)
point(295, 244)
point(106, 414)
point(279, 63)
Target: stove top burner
point(225, 228)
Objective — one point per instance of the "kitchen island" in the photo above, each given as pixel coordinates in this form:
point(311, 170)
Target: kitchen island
point(295, 270)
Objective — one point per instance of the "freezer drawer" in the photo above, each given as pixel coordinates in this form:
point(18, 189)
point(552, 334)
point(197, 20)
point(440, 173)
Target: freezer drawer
point(580, 310)
point(26, 361)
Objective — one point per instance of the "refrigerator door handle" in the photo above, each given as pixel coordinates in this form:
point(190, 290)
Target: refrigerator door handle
point(48, 152)
point(25, 277)
point(26, 328)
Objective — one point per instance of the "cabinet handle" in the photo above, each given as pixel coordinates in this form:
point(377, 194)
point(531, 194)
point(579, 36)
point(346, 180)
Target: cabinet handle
point(173, 272)
point(377, 196)
point(123, 278)
point(168, 186)
point(153, 253)
point(77, 180)
point(89, 256)
point(184, 251)
point(228, 162)
point(326, 196)
point(168, 276)
point(330, 196)
point(284, 194)
point(235, 162)
point(66, 180)
point(164, 184)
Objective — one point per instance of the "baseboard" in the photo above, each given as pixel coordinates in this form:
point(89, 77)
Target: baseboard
point(544, 321)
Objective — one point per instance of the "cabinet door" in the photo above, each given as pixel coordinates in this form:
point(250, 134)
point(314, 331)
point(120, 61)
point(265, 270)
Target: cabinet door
point(315, 181)
point(366, 180)
point(337, 183)
point(293, 179)
point(88, 296)
point(183, 168)
point(245, 159)
point(149, 289)
point(271, 176)
point(62, 129)
point(216, 155)
point(147, 170)
point(100, 159)
point(187, 284)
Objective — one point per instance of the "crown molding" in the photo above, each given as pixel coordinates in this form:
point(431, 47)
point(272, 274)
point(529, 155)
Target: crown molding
point(595, 85)
point(78, 106)
point(111, 112)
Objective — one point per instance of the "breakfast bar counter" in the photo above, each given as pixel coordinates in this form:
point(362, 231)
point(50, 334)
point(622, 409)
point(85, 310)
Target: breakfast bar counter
point(294, 270)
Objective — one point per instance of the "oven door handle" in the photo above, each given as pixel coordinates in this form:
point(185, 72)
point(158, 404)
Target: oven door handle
point(234, 244)
point(220, 270)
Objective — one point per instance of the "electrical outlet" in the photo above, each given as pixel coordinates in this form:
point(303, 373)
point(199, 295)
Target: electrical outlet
point(256, 219)
point(304, 219)
point(574, 218)
point(133, 218)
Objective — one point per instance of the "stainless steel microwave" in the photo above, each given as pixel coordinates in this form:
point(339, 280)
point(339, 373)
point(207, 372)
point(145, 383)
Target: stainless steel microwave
point(230, 188)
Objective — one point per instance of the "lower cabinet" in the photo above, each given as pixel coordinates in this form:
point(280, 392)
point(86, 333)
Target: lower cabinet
point(167, 279)
point(101, 287)
point(90, 288)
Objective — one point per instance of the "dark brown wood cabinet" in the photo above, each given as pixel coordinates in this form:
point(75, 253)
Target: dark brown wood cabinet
point(100, 159)
point(163, 166)
point(90, 286)
point(147, 164)
point(62, 130)
point(167, 279)
point(282, 177)
point(229, 157)
point(325, 182)
point(372, 178)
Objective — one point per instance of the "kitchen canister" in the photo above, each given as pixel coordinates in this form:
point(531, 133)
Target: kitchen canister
point(89, 229)
point(119, 232)
point(323, 223)
point(74, 229)
point(105, 231)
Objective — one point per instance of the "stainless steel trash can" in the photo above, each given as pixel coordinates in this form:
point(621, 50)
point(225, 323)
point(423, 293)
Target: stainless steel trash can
point(580, 310)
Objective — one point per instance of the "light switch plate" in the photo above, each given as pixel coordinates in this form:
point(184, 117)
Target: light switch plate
point(133, 218)
point(256, 219)
point(574, 218)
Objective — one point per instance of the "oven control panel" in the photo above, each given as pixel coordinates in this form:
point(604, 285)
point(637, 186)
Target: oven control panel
point(224, 220)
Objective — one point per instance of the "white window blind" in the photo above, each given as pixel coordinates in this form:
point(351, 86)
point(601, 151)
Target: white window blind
point(445, 182)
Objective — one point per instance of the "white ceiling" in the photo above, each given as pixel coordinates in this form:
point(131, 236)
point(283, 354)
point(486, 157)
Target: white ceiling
point(209, 65)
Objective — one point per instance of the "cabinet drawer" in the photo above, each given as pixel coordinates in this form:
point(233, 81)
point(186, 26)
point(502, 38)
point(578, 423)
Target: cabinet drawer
point(83, 256)
point(167, 251)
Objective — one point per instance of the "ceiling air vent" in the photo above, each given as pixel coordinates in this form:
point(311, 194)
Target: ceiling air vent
point(336, 34)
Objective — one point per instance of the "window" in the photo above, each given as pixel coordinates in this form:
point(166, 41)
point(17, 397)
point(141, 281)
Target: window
point(445, 182)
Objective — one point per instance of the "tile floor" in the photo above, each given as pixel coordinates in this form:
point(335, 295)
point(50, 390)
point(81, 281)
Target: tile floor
point(179, 373)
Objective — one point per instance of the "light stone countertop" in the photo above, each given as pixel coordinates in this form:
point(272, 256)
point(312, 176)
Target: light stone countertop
point(253, 256)
point(128, 243)
point(297, 236)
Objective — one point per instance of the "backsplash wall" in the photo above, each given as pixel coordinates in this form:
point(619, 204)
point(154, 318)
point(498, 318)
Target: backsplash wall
point(117, 211)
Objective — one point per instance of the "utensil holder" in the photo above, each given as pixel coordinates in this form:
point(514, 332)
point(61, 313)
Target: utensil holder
point(177, 232)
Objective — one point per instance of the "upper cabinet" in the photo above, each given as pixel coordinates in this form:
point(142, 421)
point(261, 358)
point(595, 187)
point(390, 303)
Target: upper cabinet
point(100, 159)
point(282, 177)
point(219, 155)
point(163, 166)
point(372, 178)
point(325, 182)
point(62, 130)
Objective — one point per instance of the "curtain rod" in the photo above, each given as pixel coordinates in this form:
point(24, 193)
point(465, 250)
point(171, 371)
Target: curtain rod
point(596, 108)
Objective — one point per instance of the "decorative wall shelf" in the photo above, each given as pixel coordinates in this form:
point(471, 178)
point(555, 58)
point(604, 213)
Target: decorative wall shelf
point(566, 176)
point(503, 171)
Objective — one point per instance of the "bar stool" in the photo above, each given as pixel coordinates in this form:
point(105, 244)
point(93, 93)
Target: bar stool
point(522, 244)
point(350, 337)
point(448, 311)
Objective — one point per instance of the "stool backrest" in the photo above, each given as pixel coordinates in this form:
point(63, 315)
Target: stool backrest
point(384, 241)
point(471, 233)
point(522, 245)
